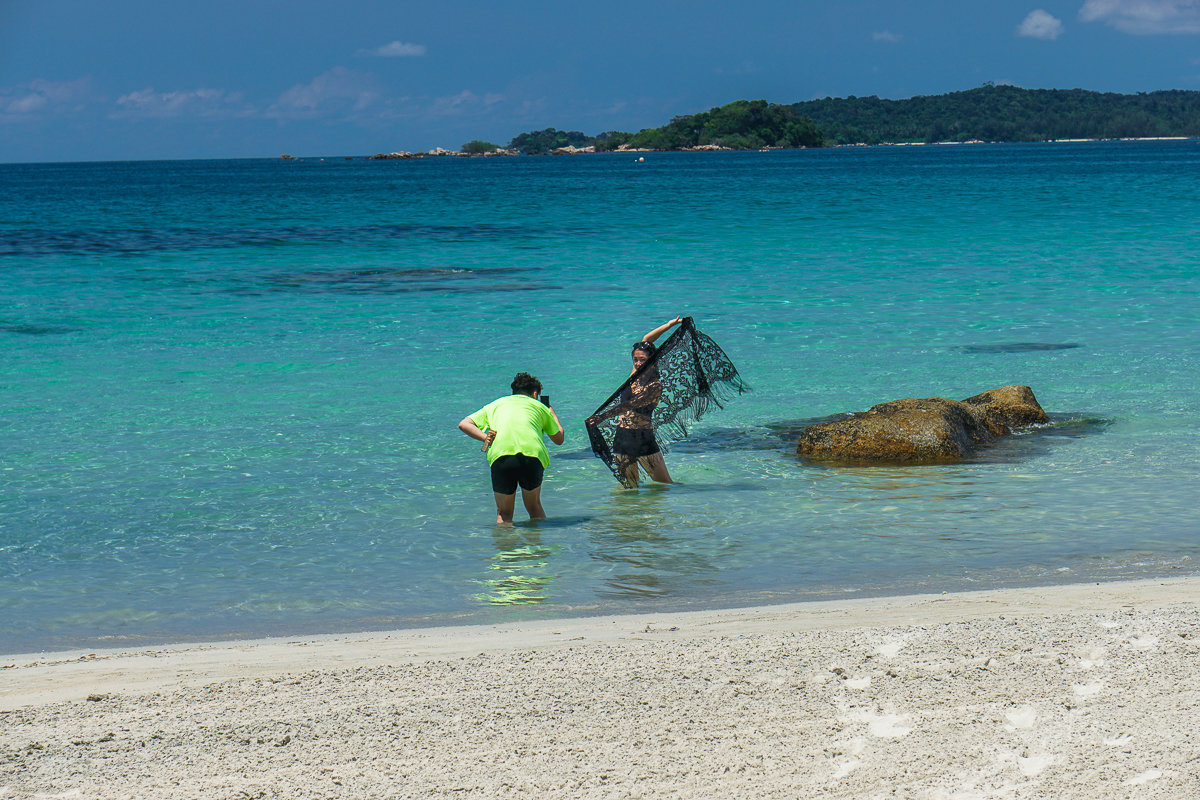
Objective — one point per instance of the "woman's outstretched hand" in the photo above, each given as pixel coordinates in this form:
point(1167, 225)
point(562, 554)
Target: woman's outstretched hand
point(653, 335)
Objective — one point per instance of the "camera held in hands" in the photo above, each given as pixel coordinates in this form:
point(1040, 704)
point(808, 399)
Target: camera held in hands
point(545, 398)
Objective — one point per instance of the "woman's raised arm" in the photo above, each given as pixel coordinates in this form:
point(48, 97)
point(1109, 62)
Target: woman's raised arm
point(661, 329)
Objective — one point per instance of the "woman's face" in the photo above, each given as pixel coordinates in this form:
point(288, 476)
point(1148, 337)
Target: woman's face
point(640, 357)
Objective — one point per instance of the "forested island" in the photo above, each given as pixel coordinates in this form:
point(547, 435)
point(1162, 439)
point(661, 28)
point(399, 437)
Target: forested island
point(990, 113)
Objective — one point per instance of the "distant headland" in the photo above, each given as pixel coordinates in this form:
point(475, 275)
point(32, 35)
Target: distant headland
point(989, 113)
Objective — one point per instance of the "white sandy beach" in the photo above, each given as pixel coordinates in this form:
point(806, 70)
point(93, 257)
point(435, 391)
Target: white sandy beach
point(1082, 691)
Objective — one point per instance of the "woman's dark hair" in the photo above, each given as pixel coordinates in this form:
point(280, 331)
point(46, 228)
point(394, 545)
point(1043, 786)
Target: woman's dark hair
point(525, 383)
point(646, 347)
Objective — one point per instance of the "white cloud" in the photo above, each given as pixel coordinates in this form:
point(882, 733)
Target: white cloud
point(396, 49)
point(1144, 16)
point(332, 90)
point(1040, 25)
point(886, 36)
point(42, 96)
point(192, 103)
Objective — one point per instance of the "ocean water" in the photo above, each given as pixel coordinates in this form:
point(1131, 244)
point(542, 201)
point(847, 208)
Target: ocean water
point(229, 390)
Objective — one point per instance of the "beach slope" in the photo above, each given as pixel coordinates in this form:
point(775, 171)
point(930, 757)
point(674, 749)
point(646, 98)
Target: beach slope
point(1080, 691)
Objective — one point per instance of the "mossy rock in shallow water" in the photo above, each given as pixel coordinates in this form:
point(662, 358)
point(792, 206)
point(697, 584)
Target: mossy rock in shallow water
point(933, 430)
point(1008, 407)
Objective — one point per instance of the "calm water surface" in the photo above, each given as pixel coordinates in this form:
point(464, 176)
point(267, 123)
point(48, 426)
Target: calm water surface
point(229, 389)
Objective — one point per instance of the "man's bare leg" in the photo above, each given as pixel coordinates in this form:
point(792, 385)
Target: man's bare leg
point(533, 503)
point(505, 503)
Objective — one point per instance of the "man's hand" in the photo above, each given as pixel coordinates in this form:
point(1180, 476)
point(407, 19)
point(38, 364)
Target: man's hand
point(488, 438)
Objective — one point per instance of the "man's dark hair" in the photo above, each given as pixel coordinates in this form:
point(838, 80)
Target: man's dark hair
point(525, 383)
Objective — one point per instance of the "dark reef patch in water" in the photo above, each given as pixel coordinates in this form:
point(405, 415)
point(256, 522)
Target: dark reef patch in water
point(36, 330)
point(765, 437)
point(446, 280)
point(1016, 347)
point(131, 241)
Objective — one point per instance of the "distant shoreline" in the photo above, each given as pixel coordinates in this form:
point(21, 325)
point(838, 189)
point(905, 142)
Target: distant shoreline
point(439, 152)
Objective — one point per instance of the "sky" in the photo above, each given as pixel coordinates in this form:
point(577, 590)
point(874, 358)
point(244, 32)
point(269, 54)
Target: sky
point(103, 80)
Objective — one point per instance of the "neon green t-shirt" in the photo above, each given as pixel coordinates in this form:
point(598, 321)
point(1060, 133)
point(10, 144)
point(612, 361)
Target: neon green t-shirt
point(519, 422)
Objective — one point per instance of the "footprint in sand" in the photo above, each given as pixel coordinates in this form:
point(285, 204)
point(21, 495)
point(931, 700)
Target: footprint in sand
point(1032, 765)
point(1143, 642)
point(885, 726)
point(1117, 741)
point(1088, 689)
point(857, 683)
point(1023, 718)
point(1145, 777)
point(890, 650)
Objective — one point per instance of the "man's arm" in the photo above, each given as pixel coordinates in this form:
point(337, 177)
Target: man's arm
point(560, 437)
point(469, 427)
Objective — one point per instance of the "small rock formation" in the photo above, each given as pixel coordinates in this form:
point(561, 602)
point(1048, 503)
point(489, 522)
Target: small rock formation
point(439, 152)
point(930, 431)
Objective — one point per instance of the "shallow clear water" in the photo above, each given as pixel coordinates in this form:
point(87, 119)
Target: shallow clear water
point(229, 389)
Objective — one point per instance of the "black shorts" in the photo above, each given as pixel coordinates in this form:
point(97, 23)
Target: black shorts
point(509, 471)
point(635, 442)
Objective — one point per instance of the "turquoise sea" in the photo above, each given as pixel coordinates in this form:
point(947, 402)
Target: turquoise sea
point(229, 390)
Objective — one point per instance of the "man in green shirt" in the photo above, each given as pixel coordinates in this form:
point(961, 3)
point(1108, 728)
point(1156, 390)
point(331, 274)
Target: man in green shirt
point(511, 430)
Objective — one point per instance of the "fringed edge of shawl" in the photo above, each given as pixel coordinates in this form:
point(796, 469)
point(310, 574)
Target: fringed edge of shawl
point(667, 431)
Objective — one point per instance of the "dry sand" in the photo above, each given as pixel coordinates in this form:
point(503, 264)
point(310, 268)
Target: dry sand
point(1083, 691)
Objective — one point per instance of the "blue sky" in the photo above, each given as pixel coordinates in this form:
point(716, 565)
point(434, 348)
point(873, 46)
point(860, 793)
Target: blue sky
point(88, 80)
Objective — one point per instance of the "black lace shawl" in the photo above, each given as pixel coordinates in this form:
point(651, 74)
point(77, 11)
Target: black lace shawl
point(685, 377)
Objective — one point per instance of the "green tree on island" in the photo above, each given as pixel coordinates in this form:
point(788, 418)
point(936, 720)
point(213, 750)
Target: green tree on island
point(544, 141)
point(477, 147)
point(740, 125)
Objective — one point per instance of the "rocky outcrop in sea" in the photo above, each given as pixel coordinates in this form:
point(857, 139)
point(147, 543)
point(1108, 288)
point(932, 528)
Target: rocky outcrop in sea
point(921, 431)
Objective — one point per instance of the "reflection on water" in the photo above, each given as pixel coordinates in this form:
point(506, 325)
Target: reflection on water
point(879, 485)
point(649, 554)
point(519, 572)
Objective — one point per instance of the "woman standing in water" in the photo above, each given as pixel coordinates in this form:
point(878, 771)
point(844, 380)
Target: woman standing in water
point(634, 443)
